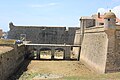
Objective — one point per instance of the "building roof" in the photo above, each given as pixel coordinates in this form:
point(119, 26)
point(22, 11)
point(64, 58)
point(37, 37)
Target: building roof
point(109, 15)
point(86, 17)
point(101, 19)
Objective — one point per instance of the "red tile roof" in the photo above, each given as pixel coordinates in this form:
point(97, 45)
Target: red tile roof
point(101, 19)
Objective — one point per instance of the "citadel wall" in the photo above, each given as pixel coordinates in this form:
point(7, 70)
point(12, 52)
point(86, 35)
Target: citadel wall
point(100, 49)
point(43, 34)
point(1, 33)
point(94, 49)
point(10, 60)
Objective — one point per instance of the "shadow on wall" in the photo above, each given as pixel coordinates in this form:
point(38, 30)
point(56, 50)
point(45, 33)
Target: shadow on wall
point(22, 68)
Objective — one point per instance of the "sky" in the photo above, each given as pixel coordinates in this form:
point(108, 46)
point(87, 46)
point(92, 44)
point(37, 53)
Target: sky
point(52, 12)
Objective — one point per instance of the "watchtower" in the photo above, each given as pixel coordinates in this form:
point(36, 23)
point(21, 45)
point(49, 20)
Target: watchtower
point(109, 20)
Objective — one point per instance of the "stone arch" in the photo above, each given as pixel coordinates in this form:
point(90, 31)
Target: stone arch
point(59, 53)
point(45, 53)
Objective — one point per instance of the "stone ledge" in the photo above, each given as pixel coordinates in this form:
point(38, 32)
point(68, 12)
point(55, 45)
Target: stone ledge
point(94, 29)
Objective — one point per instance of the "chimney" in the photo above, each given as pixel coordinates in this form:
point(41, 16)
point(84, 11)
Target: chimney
point(98, 14)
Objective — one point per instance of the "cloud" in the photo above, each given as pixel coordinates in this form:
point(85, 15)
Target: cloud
point(43, 5)
point(116, 10)
point(115, 0)
point(101, 10)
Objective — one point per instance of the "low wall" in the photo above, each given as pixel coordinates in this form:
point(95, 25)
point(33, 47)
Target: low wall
point(94, 49)
point(10, 59)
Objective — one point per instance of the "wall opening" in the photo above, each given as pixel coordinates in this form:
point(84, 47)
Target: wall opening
point(45, 53)
point(59, 53)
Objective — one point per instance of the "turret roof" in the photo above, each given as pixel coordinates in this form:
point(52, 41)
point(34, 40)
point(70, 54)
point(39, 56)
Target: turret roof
point(109, 15)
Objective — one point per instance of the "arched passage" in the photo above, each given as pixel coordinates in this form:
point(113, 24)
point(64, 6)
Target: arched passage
point(45, 53)
point(59, 53)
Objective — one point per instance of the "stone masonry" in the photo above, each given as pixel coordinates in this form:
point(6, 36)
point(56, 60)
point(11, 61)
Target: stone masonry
point(10, 60)
point(100, 44)
point(1, 33)
point(43, 34)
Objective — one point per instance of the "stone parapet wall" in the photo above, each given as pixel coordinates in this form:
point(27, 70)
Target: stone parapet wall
point(10, 61)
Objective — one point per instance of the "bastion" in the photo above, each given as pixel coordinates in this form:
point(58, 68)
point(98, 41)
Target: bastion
point(100, 45)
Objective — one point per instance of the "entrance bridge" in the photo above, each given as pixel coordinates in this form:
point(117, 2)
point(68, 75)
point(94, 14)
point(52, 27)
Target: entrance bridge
point(37, 48)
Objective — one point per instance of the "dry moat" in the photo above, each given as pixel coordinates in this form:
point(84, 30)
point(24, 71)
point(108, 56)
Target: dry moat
point(56, 70)
point(59, 70)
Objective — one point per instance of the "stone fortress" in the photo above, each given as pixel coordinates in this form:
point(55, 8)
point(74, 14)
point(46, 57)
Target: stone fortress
point(99, 37)
point(1, 33)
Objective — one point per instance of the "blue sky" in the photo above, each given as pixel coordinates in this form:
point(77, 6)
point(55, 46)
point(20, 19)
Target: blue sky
point(51, 12)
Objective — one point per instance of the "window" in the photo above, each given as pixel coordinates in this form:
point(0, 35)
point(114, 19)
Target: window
point(108, 19)
point(101, 23)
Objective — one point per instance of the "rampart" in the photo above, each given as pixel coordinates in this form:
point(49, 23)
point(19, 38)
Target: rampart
point(10, 59)
point(43, 34)
point(100, 49)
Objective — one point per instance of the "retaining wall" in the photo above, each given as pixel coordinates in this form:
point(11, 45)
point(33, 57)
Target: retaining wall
point(10, 60)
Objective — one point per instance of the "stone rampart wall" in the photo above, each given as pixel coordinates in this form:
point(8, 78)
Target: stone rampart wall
point(94, 49)
point(10, 61)
point(43, 34)
point(113, 53)
point(100, 49)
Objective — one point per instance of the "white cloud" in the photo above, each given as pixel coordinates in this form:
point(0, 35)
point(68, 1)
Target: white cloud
point(101, 10)
point(116, 10)
point(43, 5)
point(115, 0)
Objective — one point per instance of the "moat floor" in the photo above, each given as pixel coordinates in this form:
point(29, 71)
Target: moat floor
point(66, 68)
point(63, 70)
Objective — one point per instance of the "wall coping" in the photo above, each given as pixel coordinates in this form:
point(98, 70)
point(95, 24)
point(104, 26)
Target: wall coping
point(94, 29)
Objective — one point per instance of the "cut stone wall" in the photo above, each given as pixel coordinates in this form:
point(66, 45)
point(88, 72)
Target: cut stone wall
point(77, 41)
point(43, 34)
point(10, 61)
point(113, 55)
point(94, 50)
point(1, 33)
point(100, 49)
